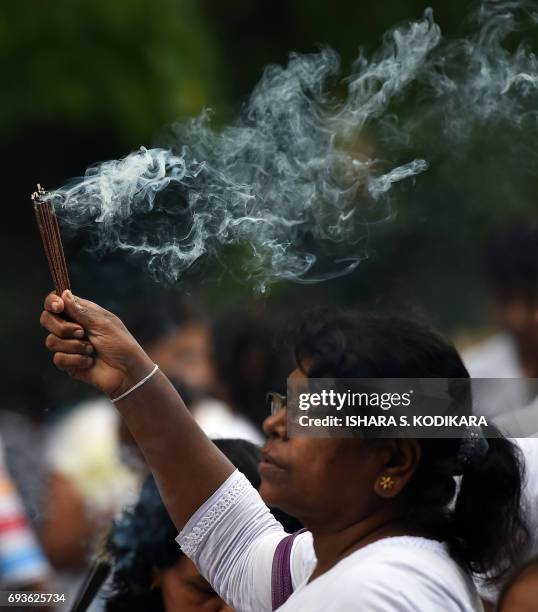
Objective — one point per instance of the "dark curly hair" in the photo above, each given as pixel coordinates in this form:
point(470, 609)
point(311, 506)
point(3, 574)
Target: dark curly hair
point(143, 539)
point(485, 527)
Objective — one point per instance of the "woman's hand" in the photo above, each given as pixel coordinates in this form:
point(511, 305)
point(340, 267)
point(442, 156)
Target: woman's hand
point(92, 344)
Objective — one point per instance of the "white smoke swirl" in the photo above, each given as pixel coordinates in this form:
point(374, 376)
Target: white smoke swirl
point(286, 177)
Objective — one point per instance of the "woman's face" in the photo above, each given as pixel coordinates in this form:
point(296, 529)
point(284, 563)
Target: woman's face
point(316, 478)
point(184, 589)
point(186, 356)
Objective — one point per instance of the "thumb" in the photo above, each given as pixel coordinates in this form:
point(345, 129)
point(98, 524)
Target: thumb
point(77, 309)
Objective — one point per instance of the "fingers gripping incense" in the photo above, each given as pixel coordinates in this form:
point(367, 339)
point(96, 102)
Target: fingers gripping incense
point(52, 241)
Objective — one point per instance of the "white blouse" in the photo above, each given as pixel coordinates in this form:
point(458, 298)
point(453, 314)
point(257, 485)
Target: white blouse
point(232, 539)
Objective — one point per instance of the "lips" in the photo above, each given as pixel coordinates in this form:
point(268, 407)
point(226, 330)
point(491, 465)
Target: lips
point(267, 457)
point(269, 466)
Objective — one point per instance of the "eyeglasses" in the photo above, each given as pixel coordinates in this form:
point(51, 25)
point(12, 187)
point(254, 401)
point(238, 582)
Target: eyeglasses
point(275, 402)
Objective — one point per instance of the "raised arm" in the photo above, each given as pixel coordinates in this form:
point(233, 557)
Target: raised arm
point(94, 346)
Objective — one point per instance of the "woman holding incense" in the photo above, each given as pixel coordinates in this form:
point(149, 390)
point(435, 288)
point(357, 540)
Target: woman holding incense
point(388, 527)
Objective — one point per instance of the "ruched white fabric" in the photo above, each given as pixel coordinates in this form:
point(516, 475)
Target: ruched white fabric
point(232, 538)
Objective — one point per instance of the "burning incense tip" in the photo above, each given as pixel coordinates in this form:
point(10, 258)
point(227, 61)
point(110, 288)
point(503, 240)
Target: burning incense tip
point(52, 241)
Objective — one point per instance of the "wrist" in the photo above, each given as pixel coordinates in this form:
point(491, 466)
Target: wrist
point(137, 367)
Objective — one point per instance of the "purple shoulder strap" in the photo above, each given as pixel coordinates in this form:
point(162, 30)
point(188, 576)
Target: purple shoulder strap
point(281, 587)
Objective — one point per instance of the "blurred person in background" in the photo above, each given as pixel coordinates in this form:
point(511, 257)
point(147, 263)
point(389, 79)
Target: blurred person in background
point(23, 424)
point(250, 358)
point(151, 574)
point(23, 565)
point(512, 271)
point(177, 335)
point(190, 351)
point(511, 263)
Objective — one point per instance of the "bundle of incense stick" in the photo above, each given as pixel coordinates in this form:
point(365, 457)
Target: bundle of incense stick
point(52, 241)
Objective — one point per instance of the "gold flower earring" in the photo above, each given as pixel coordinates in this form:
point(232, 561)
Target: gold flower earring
point(386, 482)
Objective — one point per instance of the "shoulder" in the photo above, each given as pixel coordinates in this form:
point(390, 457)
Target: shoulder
point(303, 558)
point(493, 357)
point(405, 574)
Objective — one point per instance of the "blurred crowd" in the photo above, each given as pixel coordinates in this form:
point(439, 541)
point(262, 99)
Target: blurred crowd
point(75, 491)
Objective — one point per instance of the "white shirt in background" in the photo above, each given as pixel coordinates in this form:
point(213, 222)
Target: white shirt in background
point(218, 421)
point(497, 358)
point(84, 447)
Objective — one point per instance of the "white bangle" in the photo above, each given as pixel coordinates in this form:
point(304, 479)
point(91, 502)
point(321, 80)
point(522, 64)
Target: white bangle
point(134, 387)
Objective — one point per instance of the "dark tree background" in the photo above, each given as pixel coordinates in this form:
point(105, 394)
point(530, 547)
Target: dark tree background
point(87, 81)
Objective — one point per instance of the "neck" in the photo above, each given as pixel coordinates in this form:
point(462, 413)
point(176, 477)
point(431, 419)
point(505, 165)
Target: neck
point(333, 543)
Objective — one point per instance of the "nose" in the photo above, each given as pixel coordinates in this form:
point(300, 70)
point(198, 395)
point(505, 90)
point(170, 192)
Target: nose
point(276, 425)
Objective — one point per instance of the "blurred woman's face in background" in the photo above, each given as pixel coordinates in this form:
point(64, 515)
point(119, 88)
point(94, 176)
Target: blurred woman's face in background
point(518, 317)
point(184, 589)
point(186, 356)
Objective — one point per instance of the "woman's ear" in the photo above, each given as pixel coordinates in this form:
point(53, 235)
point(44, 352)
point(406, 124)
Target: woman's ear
point(403, 458)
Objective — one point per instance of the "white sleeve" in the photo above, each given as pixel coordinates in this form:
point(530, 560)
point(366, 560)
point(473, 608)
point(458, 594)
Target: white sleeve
point(232, 539)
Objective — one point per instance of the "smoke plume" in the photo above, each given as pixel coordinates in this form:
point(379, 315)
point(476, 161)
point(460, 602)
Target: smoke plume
point(294, 176)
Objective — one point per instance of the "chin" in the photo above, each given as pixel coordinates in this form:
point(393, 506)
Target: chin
point(276, 497)
point(270, 493)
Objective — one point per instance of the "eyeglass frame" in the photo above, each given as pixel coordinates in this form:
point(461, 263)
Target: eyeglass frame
point(275, 401)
